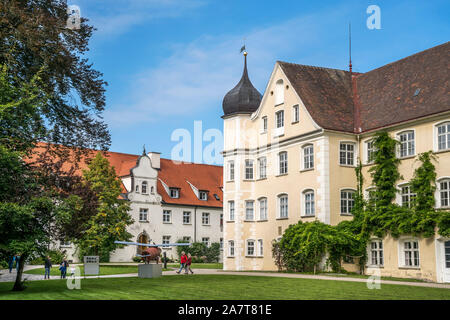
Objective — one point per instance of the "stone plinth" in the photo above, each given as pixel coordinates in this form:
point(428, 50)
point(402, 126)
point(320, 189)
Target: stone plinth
point(151, 270)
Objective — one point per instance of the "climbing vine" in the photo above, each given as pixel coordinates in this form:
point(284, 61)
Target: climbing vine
point(304, 246)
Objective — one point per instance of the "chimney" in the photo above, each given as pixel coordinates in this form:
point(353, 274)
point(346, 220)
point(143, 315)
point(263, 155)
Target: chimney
point(155, 159)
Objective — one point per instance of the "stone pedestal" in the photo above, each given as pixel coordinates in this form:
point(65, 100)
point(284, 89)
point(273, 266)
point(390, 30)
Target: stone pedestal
point(151, 270)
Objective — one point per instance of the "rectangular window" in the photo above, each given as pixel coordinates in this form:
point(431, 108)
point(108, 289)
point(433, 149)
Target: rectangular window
point(264, 124)
point(407, 196)
point(283, 162)
point(144, 187)
point(406, 144)
point(347, 201)
point(309, 203)
point(249, 212)
point(231, 248)
point(262, 167)
point(166, 239)
point(376, 253)
point(231, 210)
point(283, 206)
point(279, 116)
point(231, 170)
point(174, 193)
point(187, 239)
point(346, 153)
point(167, 216)
point(250, 247)
point(308, 157)
point(370, 151)
point(443, 132)
point(186, 217)
point(205, 241)
point(249, 169)
point(260, 247)
point(444, 191)
point(205, 218)
point(143, 214)
point(263, 209)
point(295, 114)
point(411, 252)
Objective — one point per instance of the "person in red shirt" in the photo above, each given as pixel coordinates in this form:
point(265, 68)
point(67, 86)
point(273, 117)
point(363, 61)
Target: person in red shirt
point(183, 260)
point(188, 264)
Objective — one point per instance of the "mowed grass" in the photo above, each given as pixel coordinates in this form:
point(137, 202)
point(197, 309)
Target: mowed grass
point(104, 270)
point(217, 287)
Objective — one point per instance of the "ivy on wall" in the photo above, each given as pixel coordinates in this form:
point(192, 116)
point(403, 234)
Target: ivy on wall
point(305, 245)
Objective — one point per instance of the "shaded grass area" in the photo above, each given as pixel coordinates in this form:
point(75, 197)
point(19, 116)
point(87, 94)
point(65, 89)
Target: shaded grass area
point(199, 265)
point(104, 270)
point(217, 287)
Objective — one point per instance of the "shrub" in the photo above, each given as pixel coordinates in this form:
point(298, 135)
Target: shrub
point(56, 256)
point(137, 259)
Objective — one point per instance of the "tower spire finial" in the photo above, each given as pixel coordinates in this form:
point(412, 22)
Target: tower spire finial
point(350, 46)
point(143, 151)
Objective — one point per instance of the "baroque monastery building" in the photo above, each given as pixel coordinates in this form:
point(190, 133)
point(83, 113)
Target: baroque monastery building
point(291, 154)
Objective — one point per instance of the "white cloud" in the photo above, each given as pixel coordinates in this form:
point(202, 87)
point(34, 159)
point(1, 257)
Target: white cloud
point(197, 75)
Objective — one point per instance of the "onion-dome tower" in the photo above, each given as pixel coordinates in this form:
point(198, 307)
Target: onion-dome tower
point(243, 98)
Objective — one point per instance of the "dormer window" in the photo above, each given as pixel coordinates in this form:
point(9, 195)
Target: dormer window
point(203, 195)
point(144, 187)
point(174, 193)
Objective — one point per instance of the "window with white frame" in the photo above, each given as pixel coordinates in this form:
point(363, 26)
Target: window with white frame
point(443, 136)
point(406, 147)
point(205, 218)
point(174, 193)
point(231, 210)
point(407, 197)
point(370, 151)
point(249, 169)
point(231, 248)
point(231, 170)
point(347, 201)
point(309, 207)
point(283, 162)
point(347, 153)
point(186, 217)
point(167, 216)
point(411, 253)
point(205, 241)
point(250, 247)
point(260, 247)
point(295, 114)
point(283, 205)
point(262, 167)
point(203, 195)
point(279, 92)
point(165, 239)
point(264, 124)
point(308, 157)
point(376, 253)
point(263, 209)
point(279, 119)
point(187, 239)
point(371, 195)
point(144, 187)
point(444, 193)
point(143, 214)
point(249, 210)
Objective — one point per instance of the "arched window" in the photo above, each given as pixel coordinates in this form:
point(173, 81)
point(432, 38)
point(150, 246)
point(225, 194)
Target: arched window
point(443, 136)
point(144, 187)
point(137, 188)
point(308, 157)
point(444, 193)
point(347, 201)
point(262, 208)
point(152, 189)
point(309, 208)
point(279, 92)
point(407, 143)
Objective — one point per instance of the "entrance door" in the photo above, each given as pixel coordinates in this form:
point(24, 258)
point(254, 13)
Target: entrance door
point(142, 239)
point(447, 261)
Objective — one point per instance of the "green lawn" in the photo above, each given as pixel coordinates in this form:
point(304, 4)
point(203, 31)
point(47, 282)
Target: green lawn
point(217, 287)
point(104, 270)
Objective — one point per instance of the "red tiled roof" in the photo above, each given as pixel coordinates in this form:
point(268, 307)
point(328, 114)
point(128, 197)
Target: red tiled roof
point(378, 98)
point(174, 174)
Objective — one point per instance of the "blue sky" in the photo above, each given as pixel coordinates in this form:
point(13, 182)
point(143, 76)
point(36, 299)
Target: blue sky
point(169, 63)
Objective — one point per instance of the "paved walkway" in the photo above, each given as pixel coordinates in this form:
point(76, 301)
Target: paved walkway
point(5, 276)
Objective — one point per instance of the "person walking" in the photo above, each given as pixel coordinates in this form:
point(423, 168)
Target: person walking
point(11, 263)
point(63, 267)
point(47, 265)
point(183, 259)
point(188, 264)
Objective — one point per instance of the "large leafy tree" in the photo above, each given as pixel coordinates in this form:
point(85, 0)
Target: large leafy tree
point(112, 218)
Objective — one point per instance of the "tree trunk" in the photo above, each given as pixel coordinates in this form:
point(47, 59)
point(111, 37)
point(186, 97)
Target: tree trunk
point(18, 285)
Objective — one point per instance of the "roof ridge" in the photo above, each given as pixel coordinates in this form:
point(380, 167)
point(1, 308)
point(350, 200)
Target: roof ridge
point(310, 66)
point(198, 164)
point(409, 57)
